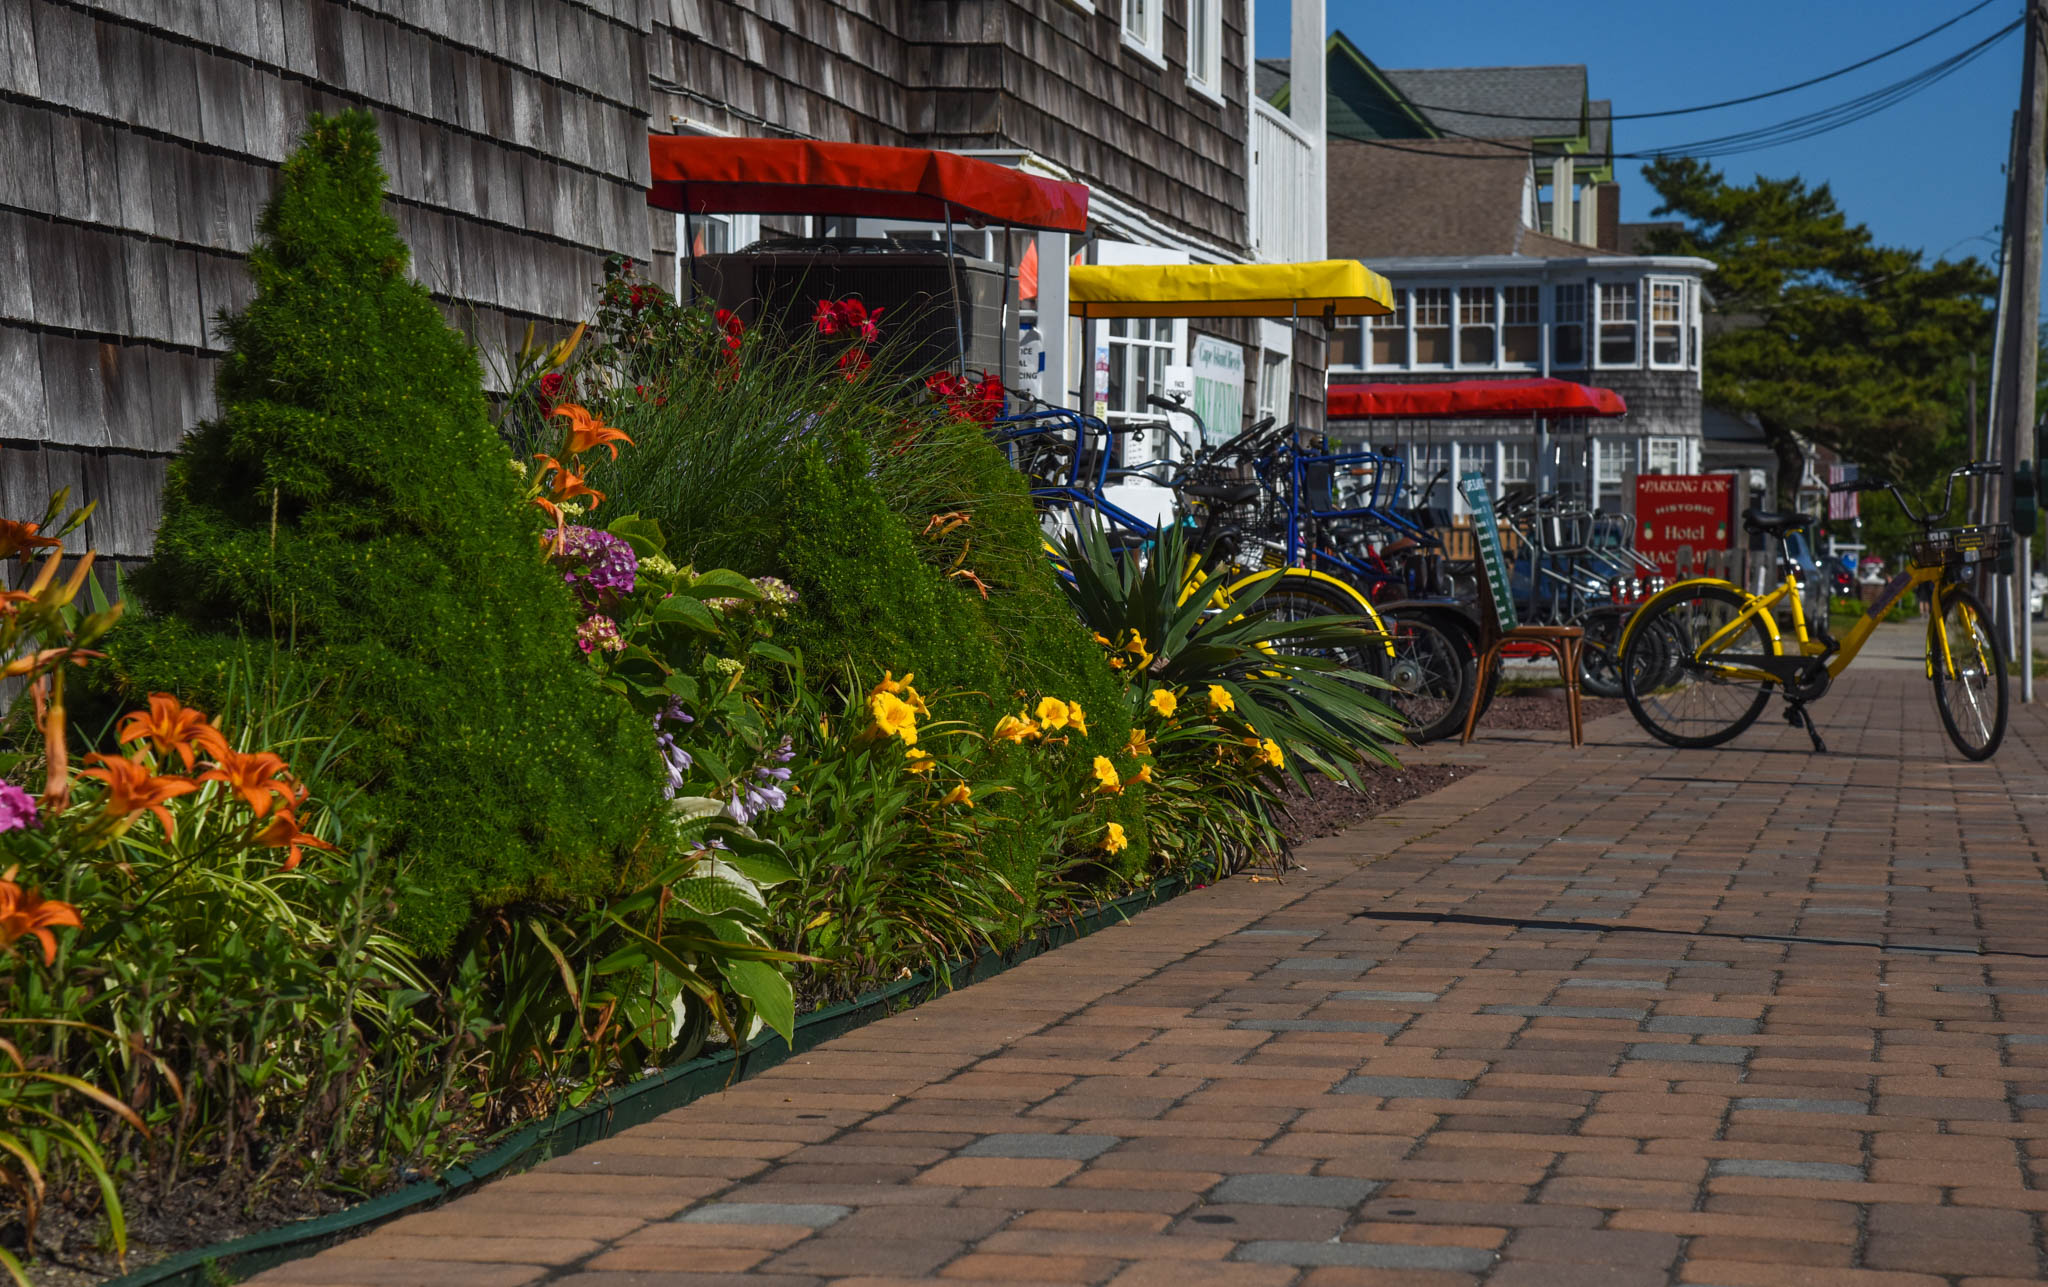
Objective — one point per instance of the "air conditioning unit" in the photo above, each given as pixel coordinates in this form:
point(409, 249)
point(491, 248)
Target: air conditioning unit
point(778, 283)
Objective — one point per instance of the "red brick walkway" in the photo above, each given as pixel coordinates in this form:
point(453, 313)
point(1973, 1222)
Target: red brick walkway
point(1628, 1018)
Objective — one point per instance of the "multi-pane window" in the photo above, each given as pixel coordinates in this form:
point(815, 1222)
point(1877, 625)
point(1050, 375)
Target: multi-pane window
point(1620, 321)
point(1430, 463)
point(1141, 24)
point(1514, 463)
point(1139, 351)
point(1205, 44)
point(1432, 307)
point(1568, 326)
point(1275, 386)
point(1667, 323)
point(1475, 326)
point(1347, 342)
point(1390, 334)
point(1617, 462)
point(1521, 325)
point(1663, 455)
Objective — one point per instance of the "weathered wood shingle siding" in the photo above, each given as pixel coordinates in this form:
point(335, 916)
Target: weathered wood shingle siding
point(143, 138)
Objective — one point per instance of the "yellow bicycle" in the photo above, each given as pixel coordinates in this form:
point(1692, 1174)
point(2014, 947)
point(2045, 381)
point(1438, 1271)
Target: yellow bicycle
point(1700, 660)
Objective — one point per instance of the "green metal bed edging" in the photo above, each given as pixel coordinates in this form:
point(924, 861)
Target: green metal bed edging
point(615, 1110)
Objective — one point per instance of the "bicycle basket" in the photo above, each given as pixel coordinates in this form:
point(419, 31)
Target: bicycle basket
point(1957, 547)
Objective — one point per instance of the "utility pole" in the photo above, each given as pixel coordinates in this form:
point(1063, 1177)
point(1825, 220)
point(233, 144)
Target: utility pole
point(2013, 436)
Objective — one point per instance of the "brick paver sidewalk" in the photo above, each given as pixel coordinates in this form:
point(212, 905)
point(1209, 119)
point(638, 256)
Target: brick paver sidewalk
point(1627, 1017)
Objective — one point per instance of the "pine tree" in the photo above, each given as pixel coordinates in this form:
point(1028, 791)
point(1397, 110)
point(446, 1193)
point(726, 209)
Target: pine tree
point(353, 502)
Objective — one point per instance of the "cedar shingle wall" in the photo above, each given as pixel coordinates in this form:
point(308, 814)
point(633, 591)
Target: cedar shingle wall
point(142, 138)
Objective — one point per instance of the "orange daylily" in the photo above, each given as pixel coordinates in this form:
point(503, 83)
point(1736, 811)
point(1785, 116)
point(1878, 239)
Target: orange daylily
point(587, 431)
point(25, 911)
point(256, 776)
point(282, 832)
point(18, 537)
point(173, 728)
point(133, 789)
point(568, 484)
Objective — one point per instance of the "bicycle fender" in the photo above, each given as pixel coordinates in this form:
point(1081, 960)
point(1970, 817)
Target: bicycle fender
point(1363, 605)
point(1678, 591)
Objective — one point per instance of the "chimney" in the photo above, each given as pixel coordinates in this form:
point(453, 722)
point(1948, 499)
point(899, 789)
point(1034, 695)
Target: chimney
point(1561, 197)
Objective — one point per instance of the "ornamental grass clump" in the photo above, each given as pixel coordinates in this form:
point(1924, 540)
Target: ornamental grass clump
point(353, 502)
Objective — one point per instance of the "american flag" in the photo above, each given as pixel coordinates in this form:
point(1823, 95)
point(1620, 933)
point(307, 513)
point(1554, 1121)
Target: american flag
point(1842, 504)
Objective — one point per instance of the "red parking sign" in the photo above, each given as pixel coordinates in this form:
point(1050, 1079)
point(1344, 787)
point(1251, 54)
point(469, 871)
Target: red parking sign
point(1675, 511)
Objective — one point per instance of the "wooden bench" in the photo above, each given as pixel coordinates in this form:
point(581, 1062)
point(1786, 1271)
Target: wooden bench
point(1498, 624)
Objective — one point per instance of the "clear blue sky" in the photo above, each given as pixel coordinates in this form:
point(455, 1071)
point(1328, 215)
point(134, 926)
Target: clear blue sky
point(1927, 173)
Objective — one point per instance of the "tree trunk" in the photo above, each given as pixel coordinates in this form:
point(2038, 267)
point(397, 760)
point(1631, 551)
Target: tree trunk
point(1791, 464)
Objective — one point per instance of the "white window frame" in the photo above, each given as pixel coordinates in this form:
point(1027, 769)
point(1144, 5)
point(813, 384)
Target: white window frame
point(1580, 301)
point(1501, 338)
point(1394, 321)
point(1673, 449)
point(1601, 293)
point(1449, 327)
point(1612, 461)
point(1143, 24)
point(1470, 299)
point(1205, 67)
point(1122, 351)
point(1275, 397)
point(1679, 325)
point(1523, 456)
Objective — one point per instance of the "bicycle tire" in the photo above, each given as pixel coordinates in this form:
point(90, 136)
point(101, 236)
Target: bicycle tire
point(1599, 665)
point(1961, 698)
point(1297, 597)
point(1661, 682)
point(1433, 672)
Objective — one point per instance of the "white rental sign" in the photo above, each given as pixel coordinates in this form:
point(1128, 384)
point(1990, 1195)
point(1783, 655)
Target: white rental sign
point(1219, 385)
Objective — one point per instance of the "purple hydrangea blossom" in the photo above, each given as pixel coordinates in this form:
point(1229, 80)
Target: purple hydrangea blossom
point(17, 808)
point(596, 564)
point(599, 631)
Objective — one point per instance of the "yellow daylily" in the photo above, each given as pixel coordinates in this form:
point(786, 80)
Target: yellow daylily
point(1144, 775)
point(1164, 701)
point(894, 717)
point(962, 794)
point(1106, 779)
point(1273, 754)
point(1076, 720)
point(1139, 743)
point(1220, 699)
point(919, 761)
point(1053, 713)
point(1014, 728)
point(1113, 840)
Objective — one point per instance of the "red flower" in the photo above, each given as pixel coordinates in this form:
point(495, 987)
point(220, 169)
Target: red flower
point(871, 327)
point(640, 297)
point(944, 384)
point(854, 363)
point(827, 317)
point(549, 391)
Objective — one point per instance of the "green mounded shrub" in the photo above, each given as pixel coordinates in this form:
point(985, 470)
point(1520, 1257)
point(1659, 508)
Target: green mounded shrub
point(353, 500)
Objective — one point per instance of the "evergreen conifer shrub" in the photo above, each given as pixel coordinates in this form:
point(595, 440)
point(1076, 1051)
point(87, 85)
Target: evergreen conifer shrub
point(353, 501)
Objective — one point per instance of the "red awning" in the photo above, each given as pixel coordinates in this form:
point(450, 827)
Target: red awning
point(1472, 400)
point(698, 175)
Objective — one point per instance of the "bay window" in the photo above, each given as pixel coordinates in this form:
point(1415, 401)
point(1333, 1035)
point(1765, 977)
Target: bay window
point(1432, 308)
point(1521, 325)
point(1568, 325)
point(1668, 324)
point(1620, 322)
point(1476, 315)
point(1390, 334)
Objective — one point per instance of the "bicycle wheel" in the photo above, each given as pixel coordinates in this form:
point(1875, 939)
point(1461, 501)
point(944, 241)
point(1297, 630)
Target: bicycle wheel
point(1674, 686)
point(1431, 672)
point(1600, 661)
point(1968, 673)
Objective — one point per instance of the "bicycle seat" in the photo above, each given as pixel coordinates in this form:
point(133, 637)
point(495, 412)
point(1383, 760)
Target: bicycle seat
point(1772, 523)
point(1223, 493)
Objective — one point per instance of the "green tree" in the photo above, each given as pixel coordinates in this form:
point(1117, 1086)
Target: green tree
point(353, 501)
point(1818, 331)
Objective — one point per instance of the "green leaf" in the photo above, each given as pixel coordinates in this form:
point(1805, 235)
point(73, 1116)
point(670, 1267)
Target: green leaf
point(643, 534)
point(681, 609)
point(767, 990)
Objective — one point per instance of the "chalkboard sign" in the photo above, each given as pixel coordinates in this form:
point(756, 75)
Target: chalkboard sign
point(1486, 530)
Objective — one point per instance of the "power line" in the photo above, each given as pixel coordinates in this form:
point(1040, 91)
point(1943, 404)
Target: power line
point(1790, 130)
point(1726, 102)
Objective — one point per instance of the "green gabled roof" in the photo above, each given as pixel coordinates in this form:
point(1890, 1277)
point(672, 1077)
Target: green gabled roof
point(1363, 103)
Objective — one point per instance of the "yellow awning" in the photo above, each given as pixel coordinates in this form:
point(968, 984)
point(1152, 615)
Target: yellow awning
point(1326, 287)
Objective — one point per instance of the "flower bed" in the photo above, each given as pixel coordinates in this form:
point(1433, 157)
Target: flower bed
point(469, 759)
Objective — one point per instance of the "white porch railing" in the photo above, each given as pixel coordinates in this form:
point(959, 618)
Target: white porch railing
point(1283, 187)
